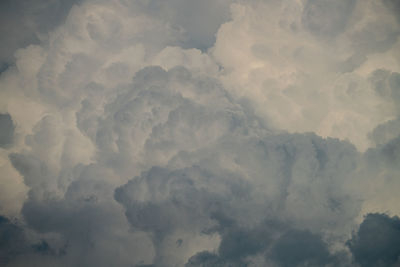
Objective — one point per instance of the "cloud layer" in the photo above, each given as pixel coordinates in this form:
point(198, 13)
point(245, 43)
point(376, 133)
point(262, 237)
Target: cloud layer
point(212, 133)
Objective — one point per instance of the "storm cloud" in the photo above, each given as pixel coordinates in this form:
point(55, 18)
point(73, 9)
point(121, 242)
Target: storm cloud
point(376, 243)
point(200, 133)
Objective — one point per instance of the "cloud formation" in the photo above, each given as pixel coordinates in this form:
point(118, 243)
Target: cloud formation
point(376, 242)
point(211, 133)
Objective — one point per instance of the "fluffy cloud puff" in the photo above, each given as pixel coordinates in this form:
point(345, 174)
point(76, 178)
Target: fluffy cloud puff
point(307, 63)
point(142, 142)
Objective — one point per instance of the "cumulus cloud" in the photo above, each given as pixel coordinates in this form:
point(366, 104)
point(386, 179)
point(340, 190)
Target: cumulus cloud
point(24, 23)
point(305, 64)
point(200, 133)
point(376, 243)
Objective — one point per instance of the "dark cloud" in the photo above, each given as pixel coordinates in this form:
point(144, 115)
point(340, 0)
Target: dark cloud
point(377, 241)
point(387, 86)
point(12, 240)
point(208, 168)
point(385, 156)
point(15, 244)
point(25, 22)
point(199, 20)
point(385, 132)
point(208, 259)
point(186, 199)
point(300, 248)
point(75, 219)
point(206, 199)
point(7, 128)
point(3, 67)
point(394, 6)
point(239, 243)
point(276, 241)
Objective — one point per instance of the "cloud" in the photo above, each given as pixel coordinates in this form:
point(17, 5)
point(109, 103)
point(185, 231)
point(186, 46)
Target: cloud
point(212, 133)
point(275, 242)
point(376, 243)
point(325, 18)
point(299, 248)
point(12, 240)
point(7, 130)
point(189, 17)
point(233, 186)
point(25, 23)
point(15, 243)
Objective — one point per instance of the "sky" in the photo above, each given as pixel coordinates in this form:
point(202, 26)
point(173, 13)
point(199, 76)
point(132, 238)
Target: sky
point(188, 133)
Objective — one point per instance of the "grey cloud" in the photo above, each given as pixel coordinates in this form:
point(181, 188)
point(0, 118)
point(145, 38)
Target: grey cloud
point(15, 243)
point(301, 248)
point(26, 22)
point(12, 240)
point(31, 168)
point(199, 20)
point(198, 190)
point(391, 151)
point(227, 179)
point(375, 37)
point(3, 67)
point(161, 114)
point(387, 85)
point(82, 220)
point(394, 6)
point(385, 132)
point(205, 259)
point(327, 18)
point(239, 243)
point(205, 199)
point(170, 167)
point(163, 201)
point(377, 241)
point(385, 156)
point(353, 62)
point(7, 128)
point(280, 244)
point(208, 259)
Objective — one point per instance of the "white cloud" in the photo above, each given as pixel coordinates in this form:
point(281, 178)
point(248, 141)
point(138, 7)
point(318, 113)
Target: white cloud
point(305, 78)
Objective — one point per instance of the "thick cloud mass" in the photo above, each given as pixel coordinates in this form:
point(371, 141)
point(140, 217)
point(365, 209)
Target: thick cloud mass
point(298, 248)
point(200, 133)
point(377, 242)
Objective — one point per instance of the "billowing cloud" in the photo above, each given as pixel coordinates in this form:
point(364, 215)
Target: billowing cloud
point(212, 133)
point(305, 65)
point(376, 243)
point(299, 248)
point(23, 23)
